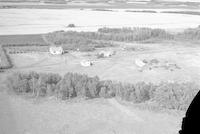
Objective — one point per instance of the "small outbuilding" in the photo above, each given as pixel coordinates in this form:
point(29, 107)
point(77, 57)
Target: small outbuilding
point(56, 50)
point(139, 63)
point(86, 63)
point(106, 53)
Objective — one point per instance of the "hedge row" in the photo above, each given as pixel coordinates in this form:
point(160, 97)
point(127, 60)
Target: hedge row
point(5, 61)
point(71, 85)
point(72, 39)
point(88, 39)
point(24, 44)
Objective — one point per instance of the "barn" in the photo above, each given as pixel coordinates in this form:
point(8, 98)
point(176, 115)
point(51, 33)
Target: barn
point(56, 50)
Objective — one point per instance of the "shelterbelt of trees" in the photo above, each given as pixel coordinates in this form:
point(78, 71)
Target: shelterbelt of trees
point(86, 41)
point(71, 85)
point(5, 61)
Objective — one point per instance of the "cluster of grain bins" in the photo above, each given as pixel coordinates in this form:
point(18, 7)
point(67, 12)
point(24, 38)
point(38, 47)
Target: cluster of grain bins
point(155, 63)
point(133, 48)
point(56, 50)
point(86, 63)
point(105, 54)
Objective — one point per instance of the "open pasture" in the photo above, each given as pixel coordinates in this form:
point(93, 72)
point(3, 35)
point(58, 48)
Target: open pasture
point(167, 61)
point(121, 66)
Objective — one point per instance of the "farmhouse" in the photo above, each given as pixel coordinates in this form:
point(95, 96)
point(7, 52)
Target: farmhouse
point(56, 50)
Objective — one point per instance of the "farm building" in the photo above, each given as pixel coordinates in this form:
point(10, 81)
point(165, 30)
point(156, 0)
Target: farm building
point(56, 50)
point(106, 53)
point(139, 63)
point(86, 63)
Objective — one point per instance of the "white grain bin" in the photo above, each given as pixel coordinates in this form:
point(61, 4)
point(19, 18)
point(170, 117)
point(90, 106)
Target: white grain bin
point(139, 63)
point(56, 50)
point(86, 63)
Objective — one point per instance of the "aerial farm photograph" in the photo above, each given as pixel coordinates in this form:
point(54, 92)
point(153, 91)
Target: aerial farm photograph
point(99, 66)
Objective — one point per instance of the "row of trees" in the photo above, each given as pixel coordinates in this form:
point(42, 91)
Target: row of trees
point(72, 39)
point(71, 85)
point(5, 61)
point(183, 12)
point(135, 34)
point(191, 34)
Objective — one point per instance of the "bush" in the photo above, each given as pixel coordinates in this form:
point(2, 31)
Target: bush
point(5, 61)
point(107, 89)
point(87, 40)
point(32, 82)
point(189, 34)
point(71, 25)
point(73, 40)
point(71, 85)
point(175, 95)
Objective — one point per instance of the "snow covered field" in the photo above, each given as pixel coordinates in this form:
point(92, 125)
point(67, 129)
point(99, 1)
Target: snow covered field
point(32, 21)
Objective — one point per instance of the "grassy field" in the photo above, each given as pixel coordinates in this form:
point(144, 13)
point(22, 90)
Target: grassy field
point(100, 115)
point(20, 21)
point(50, 116)
point(121, 64)
point(165, 61)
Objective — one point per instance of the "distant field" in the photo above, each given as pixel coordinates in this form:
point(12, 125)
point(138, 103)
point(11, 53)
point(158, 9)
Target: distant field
point(37, 21)
point(58, 4)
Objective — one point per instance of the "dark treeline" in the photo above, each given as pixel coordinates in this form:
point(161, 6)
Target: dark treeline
point(74, 40)
point(71, 40)
point(134, 34)
point(71, 85)
point(142, 11)
point(5, 61)
point(190, 34)
point(107, 34)
point(24, 44)
point(183, 12)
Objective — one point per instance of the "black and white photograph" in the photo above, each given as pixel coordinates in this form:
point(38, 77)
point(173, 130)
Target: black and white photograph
point(99, 66)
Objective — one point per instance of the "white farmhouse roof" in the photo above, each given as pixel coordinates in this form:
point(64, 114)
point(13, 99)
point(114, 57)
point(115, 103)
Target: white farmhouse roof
point(139, 63)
